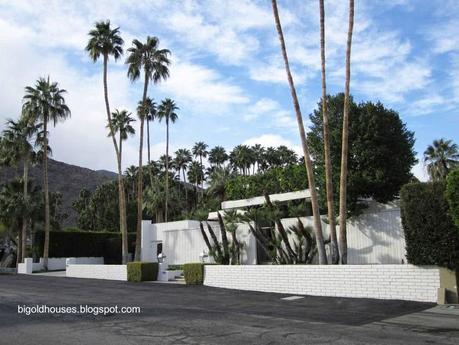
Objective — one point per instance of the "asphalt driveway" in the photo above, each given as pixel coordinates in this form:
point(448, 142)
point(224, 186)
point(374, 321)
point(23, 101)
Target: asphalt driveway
point(177, 314)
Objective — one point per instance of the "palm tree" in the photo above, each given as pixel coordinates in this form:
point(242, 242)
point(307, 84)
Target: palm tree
point(259, 152)
point(345, 145)
point(13, 208)
point(43, 103)
point(195, 174)
point(441, 157)
point(286, 156)
point(121, 124)
point(218, 156)
point(328, 163)
point(182, 158)
point(217, 181)
point(131, 178)
point(150, 114)
point(154, 63)
point(18, 147)
point(200, 150)
point(307, 158)
point(167, 112)
point(105, 41)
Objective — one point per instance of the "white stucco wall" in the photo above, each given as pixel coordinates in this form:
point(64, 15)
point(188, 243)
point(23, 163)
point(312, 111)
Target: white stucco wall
point(109, 272)
point(183, 242)
point(404, 282)
point(374, 237)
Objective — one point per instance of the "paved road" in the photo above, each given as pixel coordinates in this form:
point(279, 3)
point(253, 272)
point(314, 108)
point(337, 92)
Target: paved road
point(177, 314)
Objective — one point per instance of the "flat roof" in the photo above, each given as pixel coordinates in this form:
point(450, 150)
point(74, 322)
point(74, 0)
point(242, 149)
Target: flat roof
point(260, 200)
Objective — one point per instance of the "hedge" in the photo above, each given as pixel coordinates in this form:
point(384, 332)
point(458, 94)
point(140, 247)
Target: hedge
point(142, 271)
point(84, 244)
point(193, 273)
point(452, 194)
point(430, 234)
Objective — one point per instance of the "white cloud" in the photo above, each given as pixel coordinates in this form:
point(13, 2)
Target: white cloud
point(202, 87)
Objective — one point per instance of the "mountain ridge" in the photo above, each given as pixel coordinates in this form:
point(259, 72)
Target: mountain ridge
point(67, 179)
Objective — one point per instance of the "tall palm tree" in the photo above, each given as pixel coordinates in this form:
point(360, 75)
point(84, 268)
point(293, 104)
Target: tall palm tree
point(259, 152)
point(121, 124)
point(167, 112)
point(441, 157)
point(307, 158)
point(218, 156)
point(153, 62)
point(328, 163)
point(107, 42)
point(44, 103)
point(150, 114)
point(195, 174)
point(345, 144)
point(182, 159)
point(200, 150)
point(17, 145)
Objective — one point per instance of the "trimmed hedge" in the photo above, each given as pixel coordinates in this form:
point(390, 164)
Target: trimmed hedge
point(452, 194)
point(84, 243)
point(194, 273)
point(430, 234)
point(142, 271)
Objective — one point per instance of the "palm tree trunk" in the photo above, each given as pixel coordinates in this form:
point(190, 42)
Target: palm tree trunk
point(19, 249)
point(167, 169)
point(138, 237)
point(202, 179)
point(186, 188)
point(307, 159)
point(121, 192)
point(148, 140)
point(328, 163)
point(344, 144)
point(25, 219)
point(46, 193)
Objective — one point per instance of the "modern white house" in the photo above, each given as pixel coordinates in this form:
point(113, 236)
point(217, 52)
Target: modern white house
point(375, 237)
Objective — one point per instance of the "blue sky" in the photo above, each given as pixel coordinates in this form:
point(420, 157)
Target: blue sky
point(227, 75)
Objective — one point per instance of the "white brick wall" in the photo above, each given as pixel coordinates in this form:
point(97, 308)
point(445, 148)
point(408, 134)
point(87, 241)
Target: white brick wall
point(110, 272)
point(405, 282)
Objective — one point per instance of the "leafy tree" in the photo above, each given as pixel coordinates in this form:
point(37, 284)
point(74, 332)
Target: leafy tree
point(304, 144)
point(441, 157)
point(107, 42)
point(43, 103)
point(380, 153)
point(153, 62)
point(452, 194)
point(430, 234)
point(167, 112)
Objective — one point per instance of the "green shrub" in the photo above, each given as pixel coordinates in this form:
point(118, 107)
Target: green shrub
point(63, 244)
point(142, 271)
point(175, 268)
point(452, 195)
point(430, 234)
point(194, 273)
